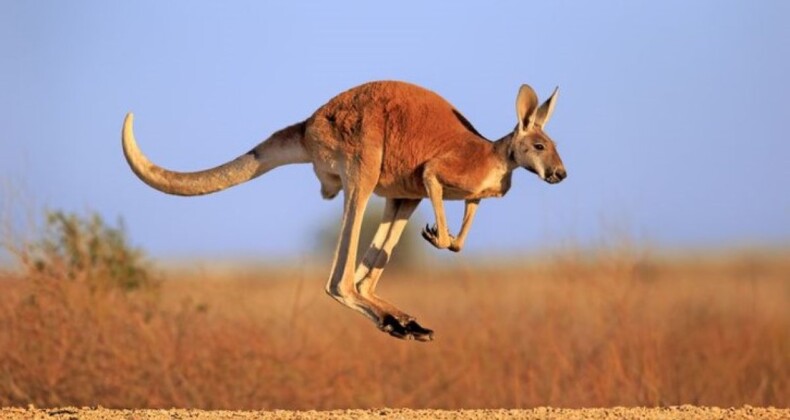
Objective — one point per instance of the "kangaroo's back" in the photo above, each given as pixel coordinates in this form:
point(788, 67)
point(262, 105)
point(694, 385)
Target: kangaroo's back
point(395, 111)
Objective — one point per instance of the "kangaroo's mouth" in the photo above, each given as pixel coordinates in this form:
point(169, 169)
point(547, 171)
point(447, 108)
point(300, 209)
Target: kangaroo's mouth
point(550, 176)
point(555, 176)
point(533, 170)
point(552, 179)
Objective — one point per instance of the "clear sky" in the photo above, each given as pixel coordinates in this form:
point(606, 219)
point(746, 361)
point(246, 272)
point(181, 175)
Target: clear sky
point(672, 119)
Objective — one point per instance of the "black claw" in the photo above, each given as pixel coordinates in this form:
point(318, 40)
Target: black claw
point(428, 234)
point(418, 331)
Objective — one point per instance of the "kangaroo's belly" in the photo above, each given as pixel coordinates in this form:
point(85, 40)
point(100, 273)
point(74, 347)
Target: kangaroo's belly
point(404, 187)
point(414, 188)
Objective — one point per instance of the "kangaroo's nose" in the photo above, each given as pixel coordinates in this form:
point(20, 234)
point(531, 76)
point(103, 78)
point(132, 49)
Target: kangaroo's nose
point(560, 173)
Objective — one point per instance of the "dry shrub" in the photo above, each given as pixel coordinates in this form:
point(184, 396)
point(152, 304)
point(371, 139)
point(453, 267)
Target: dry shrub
point(87, 250)
point(613, 328)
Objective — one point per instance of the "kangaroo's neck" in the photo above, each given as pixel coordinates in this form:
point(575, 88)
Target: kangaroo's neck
point(503, 149)
point(494, 180)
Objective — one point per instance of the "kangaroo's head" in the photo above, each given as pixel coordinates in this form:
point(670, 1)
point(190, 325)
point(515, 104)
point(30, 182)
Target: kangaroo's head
point(531, 147)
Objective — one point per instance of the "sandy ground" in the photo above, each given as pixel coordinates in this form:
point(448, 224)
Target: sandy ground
point(682, 412)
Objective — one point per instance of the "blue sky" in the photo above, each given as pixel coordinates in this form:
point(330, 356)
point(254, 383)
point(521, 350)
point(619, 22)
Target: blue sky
point(672, 118)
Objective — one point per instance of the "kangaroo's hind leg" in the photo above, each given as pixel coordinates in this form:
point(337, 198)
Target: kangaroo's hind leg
point(341, 282)
point(358, 186)
point(396, 216)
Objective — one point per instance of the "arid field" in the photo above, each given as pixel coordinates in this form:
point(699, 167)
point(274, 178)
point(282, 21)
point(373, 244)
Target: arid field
point(683, 412)
point(572, 330)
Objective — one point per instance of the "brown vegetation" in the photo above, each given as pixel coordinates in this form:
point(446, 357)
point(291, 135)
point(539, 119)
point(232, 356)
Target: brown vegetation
point(686, 412)
point(572, 330)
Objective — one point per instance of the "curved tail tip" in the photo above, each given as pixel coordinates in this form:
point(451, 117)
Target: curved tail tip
point(127, 133)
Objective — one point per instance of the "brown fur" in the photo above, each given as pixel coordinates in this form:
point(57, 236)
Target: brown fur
point(404, 125)
point(396, 140)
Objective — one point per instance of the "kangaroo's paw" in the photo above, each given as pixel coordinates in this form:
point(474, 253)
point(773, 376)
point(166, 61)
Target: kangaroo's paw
point(432, 235)
point(456, 245)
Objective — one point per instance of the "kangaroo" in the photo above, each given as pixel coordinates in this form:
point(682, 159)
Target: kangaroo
point(396, 140)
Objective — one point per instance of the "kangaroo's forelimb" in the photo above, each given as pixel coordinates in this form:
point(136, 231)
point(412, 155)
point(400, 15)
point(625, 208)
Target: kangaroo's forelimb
point(470, 208)
point(439, 235)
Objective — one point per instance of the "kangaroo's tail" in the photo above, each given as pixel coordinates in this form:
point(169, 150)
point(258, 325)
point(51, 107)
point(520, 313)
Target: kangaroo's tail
point(281, 148)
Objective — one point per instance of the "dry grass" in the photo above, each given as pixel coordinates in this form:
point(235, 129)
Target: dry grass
point(570, 331)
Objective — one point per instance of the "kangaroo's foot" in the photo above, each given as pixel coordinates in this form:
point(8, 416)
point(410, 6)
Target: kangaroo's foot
point(405, 329)
point(418, 331)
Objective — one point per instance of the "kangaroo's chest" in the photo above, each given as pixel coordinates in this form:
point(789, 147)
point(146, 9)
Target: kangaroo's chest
point(493, 184)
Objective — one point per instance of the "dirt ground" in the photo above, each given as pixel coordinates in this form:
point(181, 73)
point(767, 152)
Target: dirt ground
point(681, 412)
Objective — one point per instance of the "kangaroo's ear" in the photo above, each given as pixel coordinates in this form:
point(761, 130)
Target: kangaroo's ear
point(526, 105)
point(543, 113)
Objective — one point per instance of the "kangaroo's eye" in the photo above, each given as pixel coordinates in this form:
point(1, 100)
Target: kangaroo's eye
point(539, 146)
